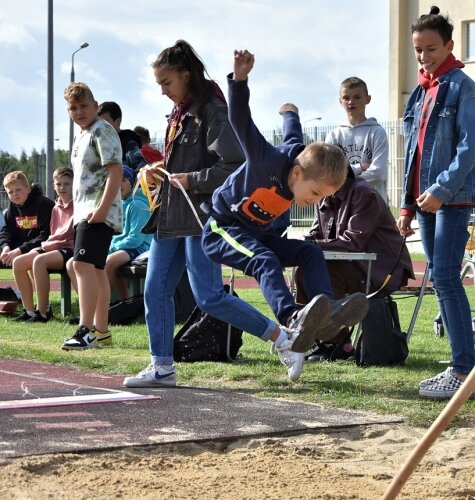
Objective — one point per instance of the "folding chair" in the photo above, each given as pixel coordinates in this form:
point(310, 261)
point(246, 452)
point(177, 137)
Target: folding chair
point(416, 291)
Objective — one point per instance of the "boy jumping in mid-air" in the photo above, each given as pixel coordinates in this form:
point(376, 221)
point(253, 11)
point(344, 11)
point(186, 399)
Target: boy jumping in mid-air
point(262, 189)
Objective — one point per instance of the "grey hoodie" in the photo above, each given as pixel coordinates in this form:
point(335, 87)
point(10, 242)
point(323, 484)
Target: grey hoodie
point(365, 142)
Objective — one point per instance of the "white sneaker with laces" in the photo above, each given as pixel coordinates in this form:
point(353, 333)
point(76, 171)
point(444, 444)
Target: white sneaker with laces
point(293, 361)
point(152, 376)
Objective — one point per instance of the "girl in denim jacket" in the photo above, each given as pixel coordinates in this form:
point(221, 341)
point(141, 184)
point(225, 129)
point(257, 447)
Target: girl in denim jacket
point(439, 184)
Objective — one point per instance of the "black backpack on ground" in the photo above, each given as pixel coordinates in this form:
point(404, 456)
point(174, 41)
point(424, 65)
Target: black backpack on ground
point(205, 338)
point(381, 341)
point(126, 311)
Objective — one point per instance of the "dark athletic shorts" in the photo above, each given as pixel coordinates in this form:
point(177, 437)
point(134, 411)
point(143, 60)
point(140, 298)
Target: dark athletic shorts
point(92, 242)
point(66, 253)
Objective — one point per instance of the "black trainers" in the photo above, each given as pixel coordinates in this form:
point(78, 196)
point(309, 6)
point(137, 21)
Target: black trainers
point(324, 351)
point(74, 320)
point(81, 340)
point(24, 316)
point(306, 321)
point(348, 311)
point(38, 318)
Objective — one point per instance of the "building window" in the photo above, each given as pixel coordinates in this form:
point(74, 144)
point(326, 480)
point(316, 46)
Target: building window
point(470, 41)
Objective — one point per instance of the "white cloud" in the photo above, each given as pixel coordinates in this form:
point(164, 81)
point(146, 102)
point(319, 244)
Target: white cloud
point(303, 51)
point(15, 35)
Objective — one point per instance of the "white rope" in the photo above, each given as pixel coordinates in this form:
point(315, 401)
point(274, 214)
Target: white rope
point(185, 194)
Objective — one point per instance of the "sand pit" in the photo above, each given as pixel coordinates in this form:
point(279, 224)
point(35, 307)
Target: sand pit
point(355, 463)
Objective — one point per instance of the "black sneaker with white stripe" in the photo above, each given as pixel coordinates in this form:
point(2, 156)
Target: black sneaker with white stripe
point(81, 340)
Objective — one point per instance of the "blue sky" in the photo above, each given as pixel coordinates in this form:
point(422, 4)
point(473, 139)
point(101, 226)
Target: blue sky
point(303, 51)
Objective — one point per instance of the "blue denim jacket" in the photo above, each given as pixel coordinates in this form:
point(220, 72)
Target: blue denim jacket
point(448, 160)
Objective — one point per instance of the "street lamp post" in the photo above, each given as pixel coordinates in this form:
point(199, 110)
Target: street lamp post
point(317, 118)
point(71, 123)
point(313, 119)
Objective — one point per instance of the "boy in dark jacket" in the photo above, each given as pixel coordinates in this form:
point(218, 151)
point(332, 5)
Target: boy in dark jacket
point(27, 219)
point(239, 231)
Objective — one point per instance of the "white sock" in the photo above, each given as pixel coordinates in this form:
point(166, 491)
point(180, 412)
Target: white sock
point(167, 368)
point(283, 336)
point(31, 313)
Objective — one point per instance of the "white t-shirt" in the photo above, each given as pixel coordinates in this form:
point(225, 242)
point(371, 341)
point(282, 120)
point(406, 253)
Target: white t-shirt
point(93, 150)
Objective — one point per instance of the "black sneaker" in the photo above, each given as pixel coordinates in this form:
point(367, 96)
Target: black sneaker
point(24, 316)
point(81, 340)
point(325, 351)
point(74, 320)
point(38, 318)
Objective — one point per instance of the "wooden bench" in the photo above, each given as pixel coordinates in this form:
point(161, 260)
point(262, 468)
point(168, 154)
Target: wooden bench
point(65, 292)
point(136, 276)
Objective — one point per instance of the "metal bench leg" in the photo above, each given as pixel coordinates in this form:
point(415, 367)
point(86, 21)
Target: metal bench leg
point(425, 279)
point(65, 294)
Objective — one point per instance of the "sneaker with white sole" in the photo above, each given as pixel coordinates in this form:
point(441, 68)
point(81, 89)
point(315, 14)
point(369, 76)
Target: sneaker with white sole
point(81, 340)
point(443, 386)
point(292, 360)
point(306, 321)
point(152, 376)
point(345, 312)
point(430, 381)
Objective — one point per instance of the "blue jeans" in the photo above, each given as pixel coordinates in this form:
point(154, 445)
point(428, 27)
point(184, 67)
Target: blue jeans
point(444, 236)
point(166, 263)
point(264, 255)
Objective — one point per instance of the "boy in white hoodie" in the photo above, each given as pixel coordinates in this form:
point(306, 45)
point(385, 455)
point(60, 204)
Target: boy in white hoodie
point(363, 139)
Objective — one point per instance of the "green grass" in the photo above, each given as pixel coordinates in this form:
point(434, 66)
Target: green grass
point(387, 391)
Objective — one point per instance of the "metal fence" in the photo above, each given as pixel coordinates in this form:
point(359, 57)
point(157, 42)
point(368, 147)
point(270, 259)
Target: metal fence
point(304, 216)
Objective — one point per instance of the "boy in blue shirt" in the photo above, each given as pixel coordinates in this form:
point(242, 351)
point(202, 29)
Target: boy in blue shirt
point(128, 245)
point(262, 189)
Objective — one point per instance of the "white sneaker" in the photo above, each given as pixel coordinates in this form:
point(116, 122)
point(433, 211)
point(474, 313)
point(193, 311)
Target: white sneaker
point(152, 376)
point(293, 361)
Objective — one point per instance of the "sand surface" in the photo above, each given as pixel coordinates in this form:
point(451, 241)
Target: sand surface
point(355, 463)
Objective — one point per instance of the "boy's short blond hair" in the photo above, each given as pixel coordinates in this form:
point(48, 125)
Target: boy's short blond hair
point(16, 176)
point(63, 171)
point(353, 82)
point(324, 162)
point(78, 91)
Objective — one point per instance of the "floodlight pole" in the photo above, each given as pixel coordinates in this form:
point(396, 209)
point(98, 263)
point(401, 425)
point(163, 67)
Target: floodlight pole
point(71, 123)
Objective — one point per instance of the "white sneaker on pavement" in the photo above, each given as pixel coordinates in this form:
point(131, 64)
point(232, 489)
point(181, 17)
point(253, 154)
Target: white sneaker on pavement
point(152, 376)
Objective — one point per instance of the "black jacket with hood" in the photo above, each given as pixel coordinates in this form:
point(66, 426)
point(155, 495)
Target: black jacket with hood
point(28, 225)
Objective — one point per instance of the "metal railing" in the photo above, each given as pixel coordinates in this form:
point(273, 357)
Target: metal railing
point(303, 217)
